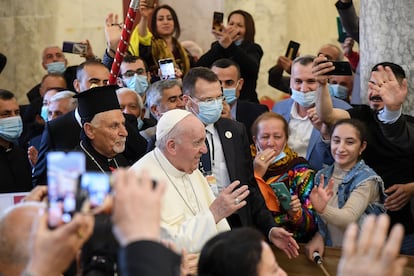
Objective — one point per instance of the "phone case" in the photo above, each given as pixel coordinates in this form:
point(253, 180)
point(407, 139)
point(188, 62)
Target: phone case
point(342, 68)
point(292, 50)
point(282, 194)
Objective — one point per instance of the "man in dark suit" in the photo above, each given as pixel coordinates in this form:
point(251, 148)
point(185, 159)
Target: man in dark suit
point(228, 72)
point(63, 132)
point(229, 158)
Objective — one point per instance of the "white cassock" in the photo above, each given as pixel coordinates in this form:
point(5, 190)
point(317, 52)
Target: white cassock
point(185, 215)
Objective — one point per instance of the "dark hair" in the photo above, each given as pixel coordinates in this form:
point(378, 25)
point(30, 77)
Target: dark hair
point(237, 252)
point(6, 95)
point(395, 68)
point(131, 59)
point(177, 29)
point(248, 23)
point(357, 124)
point(193, 75)
point(80, 68)
point(226, 63)
point(267, 116)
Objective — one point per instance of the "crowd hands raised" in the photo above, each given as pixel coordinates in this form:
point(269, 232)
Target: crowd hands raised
point(136, 212)
point(314, 158)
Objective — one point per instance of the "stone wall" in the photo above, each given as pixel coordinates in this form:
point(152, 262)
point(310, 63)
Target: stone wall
point(387, 35)
point(27, 27)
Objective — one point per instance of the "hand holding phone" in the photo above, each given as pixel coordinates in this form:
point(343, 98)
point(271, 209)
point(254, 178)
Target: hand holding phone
point(342, 68)
point(282, 194)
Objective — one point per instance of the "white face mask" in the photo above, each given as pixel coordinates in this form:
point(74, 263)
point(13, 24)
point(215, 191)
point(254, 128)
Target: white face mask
point(304, 99)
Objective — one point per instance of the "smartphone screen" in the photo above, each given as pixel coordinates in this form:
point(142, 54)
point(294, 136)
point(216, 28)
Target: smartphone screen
point(292, 50)
point(218, 21)
point(167, 68)
point(74, 47)
point(94, 186)
point(63, 170)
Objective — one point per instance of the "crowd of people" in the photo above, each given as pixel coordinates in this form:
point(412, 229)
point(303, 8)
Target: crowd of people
point(204, 177)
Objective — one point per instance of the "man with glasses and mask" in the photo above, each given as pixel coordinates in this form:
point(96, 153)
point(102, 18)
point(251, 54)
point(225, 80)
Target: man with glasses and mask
point(228, 156)
point(133, 74)
point(245, 112)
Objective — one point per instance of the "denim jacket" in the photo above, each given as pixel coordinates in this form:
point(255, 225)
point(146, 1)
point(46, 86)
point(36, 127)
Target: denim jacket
point(359, 174)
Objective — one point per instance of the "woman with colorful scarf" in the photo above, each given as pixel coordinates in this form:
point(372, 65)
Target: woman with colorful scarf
point(275, 163)
point(164, 44)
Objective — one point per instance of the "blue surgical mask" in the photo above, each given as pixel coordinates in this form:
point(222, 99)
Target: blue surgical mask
point(238, 42)
point(338, 91)
point(140, 123)
point(304, 99)
point(44, 113)
point(11, 128)
point(56, 67)
point(138, 83)
point(280, 156)
point(230, 94)
point(209, 112)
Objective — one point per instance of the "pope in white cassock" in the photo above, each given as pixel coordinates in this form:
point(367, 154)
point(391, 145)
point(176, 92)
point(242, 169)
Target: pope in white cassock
point(190, 213)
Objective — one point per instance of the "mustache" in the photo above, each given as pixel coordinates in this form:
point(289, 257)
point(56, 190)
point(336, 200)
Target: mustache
point(375, 98)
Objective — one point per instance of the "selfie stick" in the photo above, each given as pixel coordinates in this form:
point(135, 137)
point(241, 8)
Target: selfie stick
point(124, 42)
point(318, 260)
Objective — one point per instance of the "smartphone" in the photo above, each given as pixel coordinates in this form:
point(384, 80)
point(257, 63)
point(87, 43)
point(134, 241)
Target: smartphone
point(74, 48)
point(342, 68)
point(282, 194)
point(93, 187)
point(292, 50)
point(63, 171)
point(218, 18)
point(342, 35)
point(167, 68)
point(150, 3)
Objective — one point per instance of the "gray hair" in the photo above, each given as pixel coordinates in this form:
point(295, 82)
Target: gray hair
point(154, 92)
point(65, 94)
point(303, 60)
point(124, 90)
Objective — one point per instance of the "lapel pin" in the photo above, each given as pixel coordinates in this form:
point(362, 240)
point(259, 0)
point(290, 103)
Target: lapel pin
point(228, 134)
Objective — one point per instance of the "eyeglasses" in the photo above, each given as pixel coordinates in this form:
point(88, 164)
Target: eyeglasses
point(210, 100)
point(131, 73)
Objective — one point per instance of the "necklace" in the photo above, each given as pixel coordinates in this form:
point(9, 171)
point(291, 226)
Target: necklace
point(94, 160)
point(194, 212)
